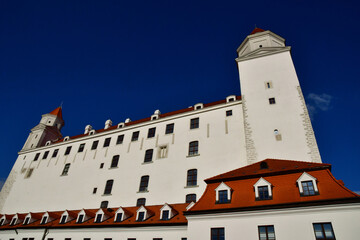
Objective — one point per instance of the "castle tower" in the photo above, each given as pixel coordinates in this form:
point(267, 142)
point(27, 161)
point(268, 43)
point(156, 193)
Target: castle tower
point(47, 130)
point(276, 120)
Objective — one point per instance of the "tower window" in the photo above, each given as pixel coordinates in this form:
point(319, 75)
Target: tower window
point(108, 187)
point(94, 145)
point(229, 113)
point(120, 139)
point(169, 128)
point(148, 155)
point(36, 156)
point(151, 132)
point(135, 136)
point(324, 231)
point(55, 153)
point(115, 161)
point(66, 169)
point(217, 234)
point(107, 142)
point(67, 151)
point(194, 123)
point(104, 204)
point(144, 182)
point(190, 198)
point(81, 147)
point(271, 100)
point(266, 232)
point(45, 155)
point(140, 202)
point(193, 148)
point(191, 177)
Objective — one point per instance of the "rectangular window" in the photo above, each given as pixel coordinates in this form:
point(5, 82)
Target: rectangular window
point(141, 216)
point(108, 186)
point(271, 100)
point(67, 238)
point(263, 193)
point(107, 142)
point(323, 231)
point(223, 196)
point(45, 155)
point(266, 232)
point(190, 198)
point(157, 238)
point(192, 177)
point(115, 161)
point(165, 215)
point(94, 190)
point(29, 173)
point(118, 217)
point(66, 169)
point(67, 151)
point(44, 220)
point(131, 239)
point(217, 234)
point(55, 153)
point(308, 188)
point(87, 238)
point(169, 128)
point(94, 145)
point(229, 113)
point(107, 238)
point(63, 219)
point(135, 136)
point(98, 218)
point(144, 182)
point(36, 156)
point(140, 202)
point(194, 123)
point(120, 139)
point(148, 155)
point(151, 132)
point(193, 148)
point(81, 147)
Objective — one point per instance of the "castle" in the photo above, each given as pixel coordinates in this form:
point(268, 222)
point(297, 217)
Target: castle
point(243, 167)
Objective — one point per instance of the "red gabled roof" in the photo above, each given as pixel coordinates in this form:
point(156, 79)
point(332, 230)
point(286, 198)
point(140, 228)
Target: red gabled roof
point(283, 176)
point(57, 112)
point(274, 166)
point(257, 30)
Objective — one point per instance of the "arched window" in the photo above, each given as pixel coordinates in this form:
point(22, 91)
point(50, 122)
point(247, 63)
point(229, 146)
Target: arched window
point(140, 202)
point(148, 155)
point(190, 198)
point(193, 148)
point(192, 177)
point(115, 161)
point(144, 182)
point(108, 186)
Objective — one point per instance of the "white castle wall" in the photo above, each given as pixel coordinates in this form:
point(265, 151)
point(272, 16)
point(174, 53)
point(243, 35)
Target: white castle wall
point(221, 148)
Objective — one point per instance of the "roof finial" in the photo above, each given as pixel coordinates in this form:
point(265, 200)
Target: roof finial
point(61, 104)
point(255, 25)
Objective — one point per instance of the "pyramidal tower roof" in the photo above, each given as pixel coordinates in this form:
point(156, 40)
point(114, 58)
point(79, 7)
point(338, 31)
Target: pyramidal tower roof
point(257, 30)
point(57, 112)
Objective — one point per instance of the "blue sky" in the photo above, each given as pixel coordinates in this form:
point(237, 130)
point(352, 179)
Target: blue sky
point(120, 59)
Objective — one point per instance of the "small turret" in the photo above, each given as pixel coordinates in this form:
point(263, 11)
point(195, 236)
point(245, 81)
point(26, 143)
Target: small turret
point(47, 130)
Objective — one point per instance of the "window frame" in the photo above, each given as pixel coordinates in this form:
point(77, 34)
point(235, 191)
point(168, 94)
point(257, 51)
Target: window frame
point(144, 183)
point(107, 142)
point(169, 128)
point(94, 145)
point(228, 113)
point(135, 136)
point(66, 168)
point(193, 148)
point(194, 123)
point(81, 147)
point(189, 198)
point(55, 153)
point(323, 231)
point(115, 161)
point(151, 132)
point(120, 139)
point(67, 150)
point(140, 202)
point(191, 179)
point(46, 154)
point(267, 227)
point(149, 153)
point(108, 187)
point(217, 233)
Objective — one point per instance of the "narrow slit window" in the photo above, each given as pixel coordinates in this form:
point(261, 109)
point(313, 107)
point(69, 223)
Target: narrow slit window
point(66, 169)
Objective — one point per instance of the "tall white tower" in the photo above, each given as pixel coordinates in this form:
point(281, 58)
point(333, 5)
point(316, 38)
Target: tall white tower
point(47, 130)
point(276, 120)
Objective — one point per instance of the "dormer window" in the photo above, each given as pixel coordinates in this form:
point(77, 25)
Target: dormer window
point(223, 193)
point(13, 221)
point(92, 132)
point(165, 215)
point(2, 221)
point(166, 212)
point(66, 138)
point(141, 216)
point(47, 143)
point(307, 185)
point(120, 125)
point(80, 218)
point(63, 219)
point(99, 218)
point(44, 220)
point(198, 106)
point(262, 189)
point(27, 220)
point(230, 98)
point(154, 117)
point(118, 217)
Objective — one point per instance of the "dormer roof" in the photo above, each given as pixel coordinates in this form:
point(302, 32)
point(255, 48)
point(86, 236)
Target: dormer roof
point(257, 30)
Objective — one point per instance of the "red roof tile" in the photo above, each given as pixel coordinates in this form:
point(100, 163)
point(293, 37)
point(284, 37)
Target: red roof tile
point(57, 112)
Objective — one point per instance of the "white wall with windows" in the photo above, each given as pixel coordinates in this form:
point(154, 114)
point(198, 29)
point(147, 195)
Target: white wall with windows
point(289, 223)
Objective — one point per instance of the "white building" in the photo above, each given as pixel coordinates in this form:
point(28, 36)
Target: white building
point(86, 186)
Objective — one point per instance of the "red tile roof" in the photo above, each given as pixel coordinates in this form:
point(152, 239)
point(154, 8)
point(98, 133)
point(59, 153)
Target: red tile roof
point(57, 112)
point(283, 176)
point(154, 219)
point(149, 118)
point(257, 30)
